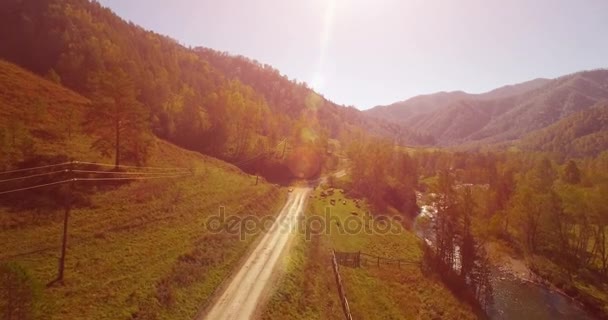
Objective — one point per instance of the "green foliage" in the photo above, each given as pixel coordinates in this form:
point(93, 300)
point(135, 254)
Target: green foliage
point(579, 135)
point(145, 82)
point(19, 293)
point(117, 119)
point(381, 175)
point(292, 99)
point(308, 288)
point(572, 173)
point(521, 199)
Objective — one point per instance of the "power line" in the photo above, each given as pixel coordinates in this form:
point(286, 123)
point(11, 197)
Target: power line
point(133, 167)
point(165, 174)
point(36, 186)
point(259, 155)
point(134, 178)
point(35, 168)
point(126, 173)
point(34, 176)
point(250, 159)
point(91, 179)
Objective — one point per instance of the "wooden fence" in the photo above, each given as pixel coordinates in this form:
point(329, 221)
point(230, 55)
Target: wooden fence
point(341, 292)
point(360, 259)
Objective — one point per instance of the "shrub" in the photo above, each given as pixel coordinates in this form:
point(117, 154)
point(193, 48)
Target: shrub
point(18, 293)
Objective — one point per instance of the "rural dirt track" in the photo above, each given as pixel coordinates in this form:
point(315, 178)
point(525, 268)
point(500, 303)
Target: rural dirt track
point(243, 294)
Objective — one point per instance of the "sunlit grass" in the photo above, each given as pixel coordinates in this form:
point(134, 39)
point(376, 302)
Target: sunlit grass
point(132, 240)
point(387, 292)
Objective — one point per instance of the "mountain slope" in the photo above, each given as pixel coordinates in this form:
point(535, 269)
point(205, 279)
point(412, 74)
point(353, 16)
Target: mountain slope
point(139, 246)
point(504, 114)
point(513, 89)
point(542, 107)
point(407, 111)
point(404, 111)
point(294, 99)
point(38, 118)
point(188, 98)
point(582, 134)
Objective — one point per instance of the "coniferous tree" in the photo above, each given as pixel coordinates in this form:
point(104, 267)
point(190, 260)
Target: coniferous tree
point(119, 121)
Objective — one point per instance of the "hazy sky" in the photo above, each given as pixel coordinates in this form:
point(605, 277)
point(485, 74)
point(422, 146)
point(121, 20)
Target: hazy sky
point(370, 52)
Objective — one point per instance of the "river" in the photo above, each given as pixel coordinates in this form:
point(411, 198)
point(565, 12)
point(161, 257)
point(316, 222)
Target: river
point(516, 299)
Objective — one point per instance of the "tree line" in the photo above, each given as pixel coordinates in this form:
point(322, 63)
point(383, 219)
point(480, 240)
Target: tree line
point(553, 211)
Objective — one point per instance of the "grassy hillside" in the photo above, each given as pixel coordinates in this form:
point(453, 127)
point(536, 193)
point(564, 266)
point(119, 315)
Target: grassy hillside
point(39, 117)
point(139, 249)
point(386, 292)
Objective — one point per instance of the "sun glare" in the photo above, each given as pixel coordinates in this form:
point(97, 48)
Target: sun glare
point(318, 79)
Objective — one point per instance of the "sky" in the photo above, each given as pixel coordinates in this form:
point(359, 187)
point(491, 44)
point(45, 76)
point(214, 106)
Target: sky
point(375, 52)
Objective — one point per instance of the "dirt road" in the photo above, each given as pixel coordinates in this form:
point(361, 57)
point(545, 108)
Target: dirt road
point(242, 295)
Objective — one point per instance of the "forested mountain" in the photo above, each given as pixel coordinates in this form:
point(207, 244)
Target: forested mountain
point(295, 99)
point(148, 82)
point(514, 89)
point(580, 135)
point(142, 82)
point(505, 114)
point(407, 111)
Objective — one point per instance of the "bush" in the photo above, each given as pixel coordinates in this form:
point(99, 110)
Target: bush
point(18, 293)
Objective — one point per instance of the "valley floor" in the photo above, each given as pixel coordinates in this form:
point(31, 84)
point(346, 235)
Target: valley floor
point(308, 289)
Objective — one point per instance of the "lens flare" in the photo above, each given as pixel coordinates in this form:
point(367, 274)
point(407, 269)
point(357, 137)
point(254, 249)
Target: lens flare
point(313, 101)
point(304, 162)
point(318, 79)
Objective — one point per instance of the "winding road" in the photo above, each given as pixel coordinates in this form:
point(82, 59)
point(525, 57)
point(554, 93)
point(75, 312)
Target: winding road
point(243, 294)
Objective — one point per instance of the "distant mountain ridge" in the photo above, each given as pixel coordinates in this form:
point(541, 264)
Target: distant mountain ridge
point(502, 115)
point(428, 103)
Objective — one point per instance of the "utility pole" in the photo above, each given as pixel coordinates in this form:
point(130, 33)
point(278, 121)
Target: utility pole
point(117, 160)
point(64, 243)
point(284, 147)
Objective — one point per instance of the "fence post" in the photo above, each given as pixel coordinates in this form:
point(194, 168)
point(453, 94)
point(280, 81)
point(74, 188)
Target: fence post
point(343, 299)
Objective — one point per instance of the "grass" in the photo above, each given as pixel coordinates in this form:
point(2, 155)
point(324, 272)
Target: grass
point(39, 117)
point(139, 250)
point(308, 289)
point(137, 238)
